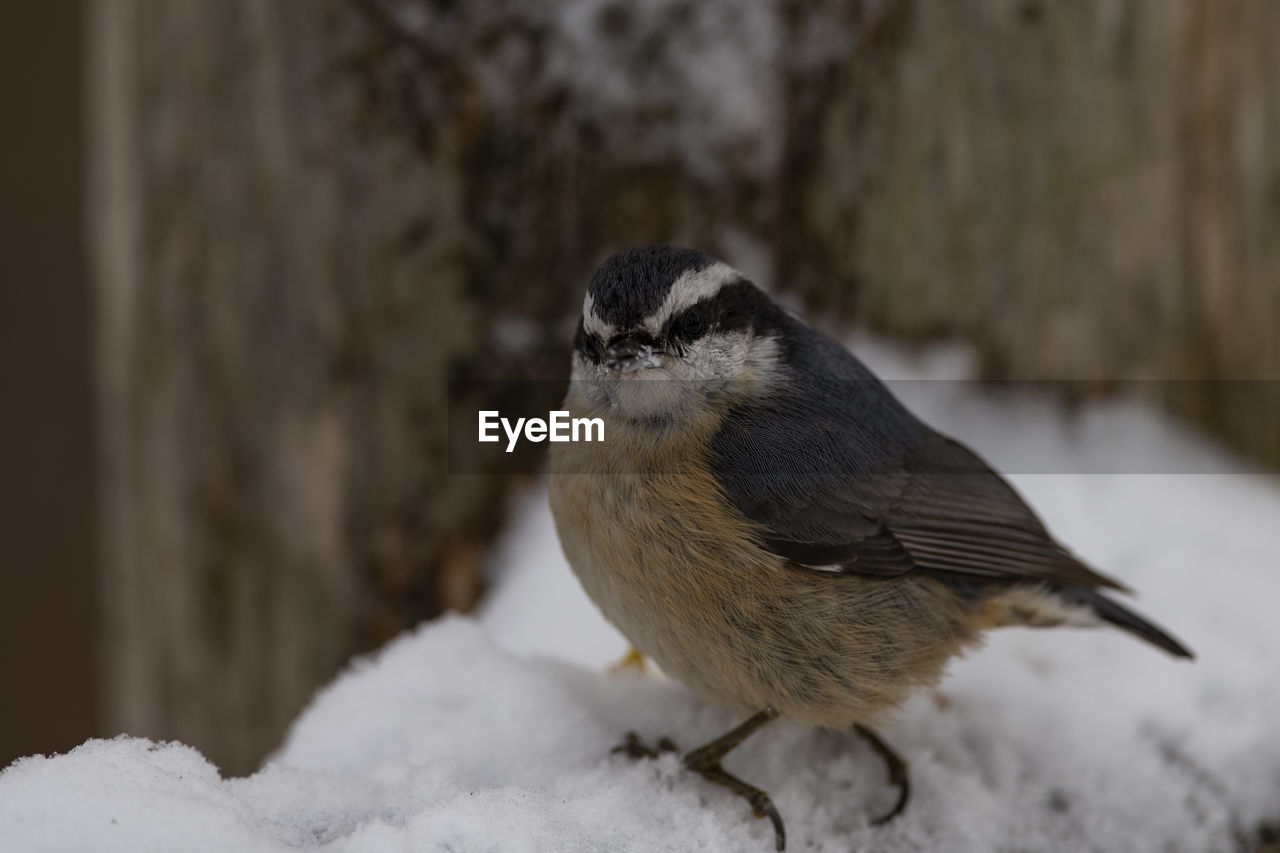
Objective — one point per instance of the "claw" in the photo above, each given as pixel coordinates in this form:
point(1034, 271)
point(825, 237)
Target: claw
point(634, 747)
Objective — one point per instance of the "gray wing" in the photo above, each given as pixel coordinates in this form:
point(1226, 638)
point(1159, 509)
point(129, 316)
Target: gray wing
point(846, 479)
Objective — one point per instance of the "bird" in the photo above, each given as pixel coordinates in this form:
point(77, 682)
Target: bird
point(768, 523)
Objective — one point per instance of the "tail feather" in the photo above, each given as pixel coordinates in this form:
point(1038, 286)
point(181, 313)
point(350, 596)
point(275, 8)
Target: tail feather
point(1110, 611)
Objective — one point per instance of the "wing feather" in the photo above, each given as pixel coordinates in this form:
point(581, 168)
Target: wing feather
point(846, 479)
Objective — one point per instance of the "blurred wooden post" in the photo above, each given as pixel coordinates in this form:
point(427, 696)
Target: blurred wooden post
point(271, 369)
point(1086, 191)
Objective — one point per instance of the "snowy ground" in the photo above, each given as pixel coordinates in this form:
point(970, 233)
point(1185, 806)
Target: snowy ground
point(493, 734)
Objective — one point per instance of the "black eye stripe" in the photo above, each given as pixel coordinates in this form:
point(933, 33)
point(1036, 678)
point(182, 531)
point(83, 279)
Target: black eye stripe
point(736, 306)
point(688, 324)
point(586, 343)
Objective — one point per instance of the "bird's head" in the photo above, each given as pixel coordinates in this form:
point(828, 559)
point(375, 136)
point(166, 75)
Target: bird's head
point(668, 333)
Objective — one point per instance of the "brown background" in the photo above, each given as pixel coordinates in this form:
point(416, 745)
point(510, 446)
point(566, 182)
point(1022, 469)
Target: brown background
point(47, 612)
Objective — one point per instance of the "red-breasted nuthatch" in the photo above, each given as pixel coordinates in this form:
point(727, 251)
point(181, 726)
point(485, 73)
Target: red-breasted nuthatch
point(772, 527)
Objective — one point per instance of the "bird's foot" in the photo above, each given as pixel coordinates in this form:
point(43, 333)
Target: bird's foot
point(707, 765)
point(633, 661)
point(897, 770)
point(634, 747)
point(705, 761)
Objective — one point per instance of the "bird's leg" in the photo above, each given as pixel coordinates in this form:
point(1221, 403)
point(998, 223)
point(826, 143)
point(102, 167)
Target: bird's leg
point(897, 771)
point(705, 760)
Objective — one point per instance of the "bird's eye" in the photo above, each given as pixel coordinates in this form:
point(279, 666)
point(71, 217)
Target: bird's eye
point(690, 325)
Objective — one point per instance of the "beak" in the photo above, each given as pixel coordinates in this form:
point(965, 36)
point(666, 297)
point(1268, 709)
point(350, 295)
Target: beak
point(627, 354)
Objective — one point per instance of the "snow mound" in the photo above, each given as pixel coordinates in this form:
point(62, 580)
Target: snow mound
point(444, 742)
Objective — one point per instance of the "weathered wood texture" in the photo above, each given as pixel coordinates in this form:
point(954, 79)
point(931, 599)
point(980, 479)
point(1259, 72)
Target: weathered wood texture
point(310, 214)
point(272, 357)
point(1086, 190)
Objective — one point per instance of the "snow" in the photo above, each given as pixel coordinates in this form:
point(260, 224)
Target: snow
point(493, 732)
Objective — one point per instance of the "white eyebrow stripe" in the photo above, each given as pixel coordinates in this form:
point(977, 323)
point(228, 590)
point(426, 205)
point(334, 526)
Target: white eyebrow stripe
point(689, 289)
point(592, 324)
